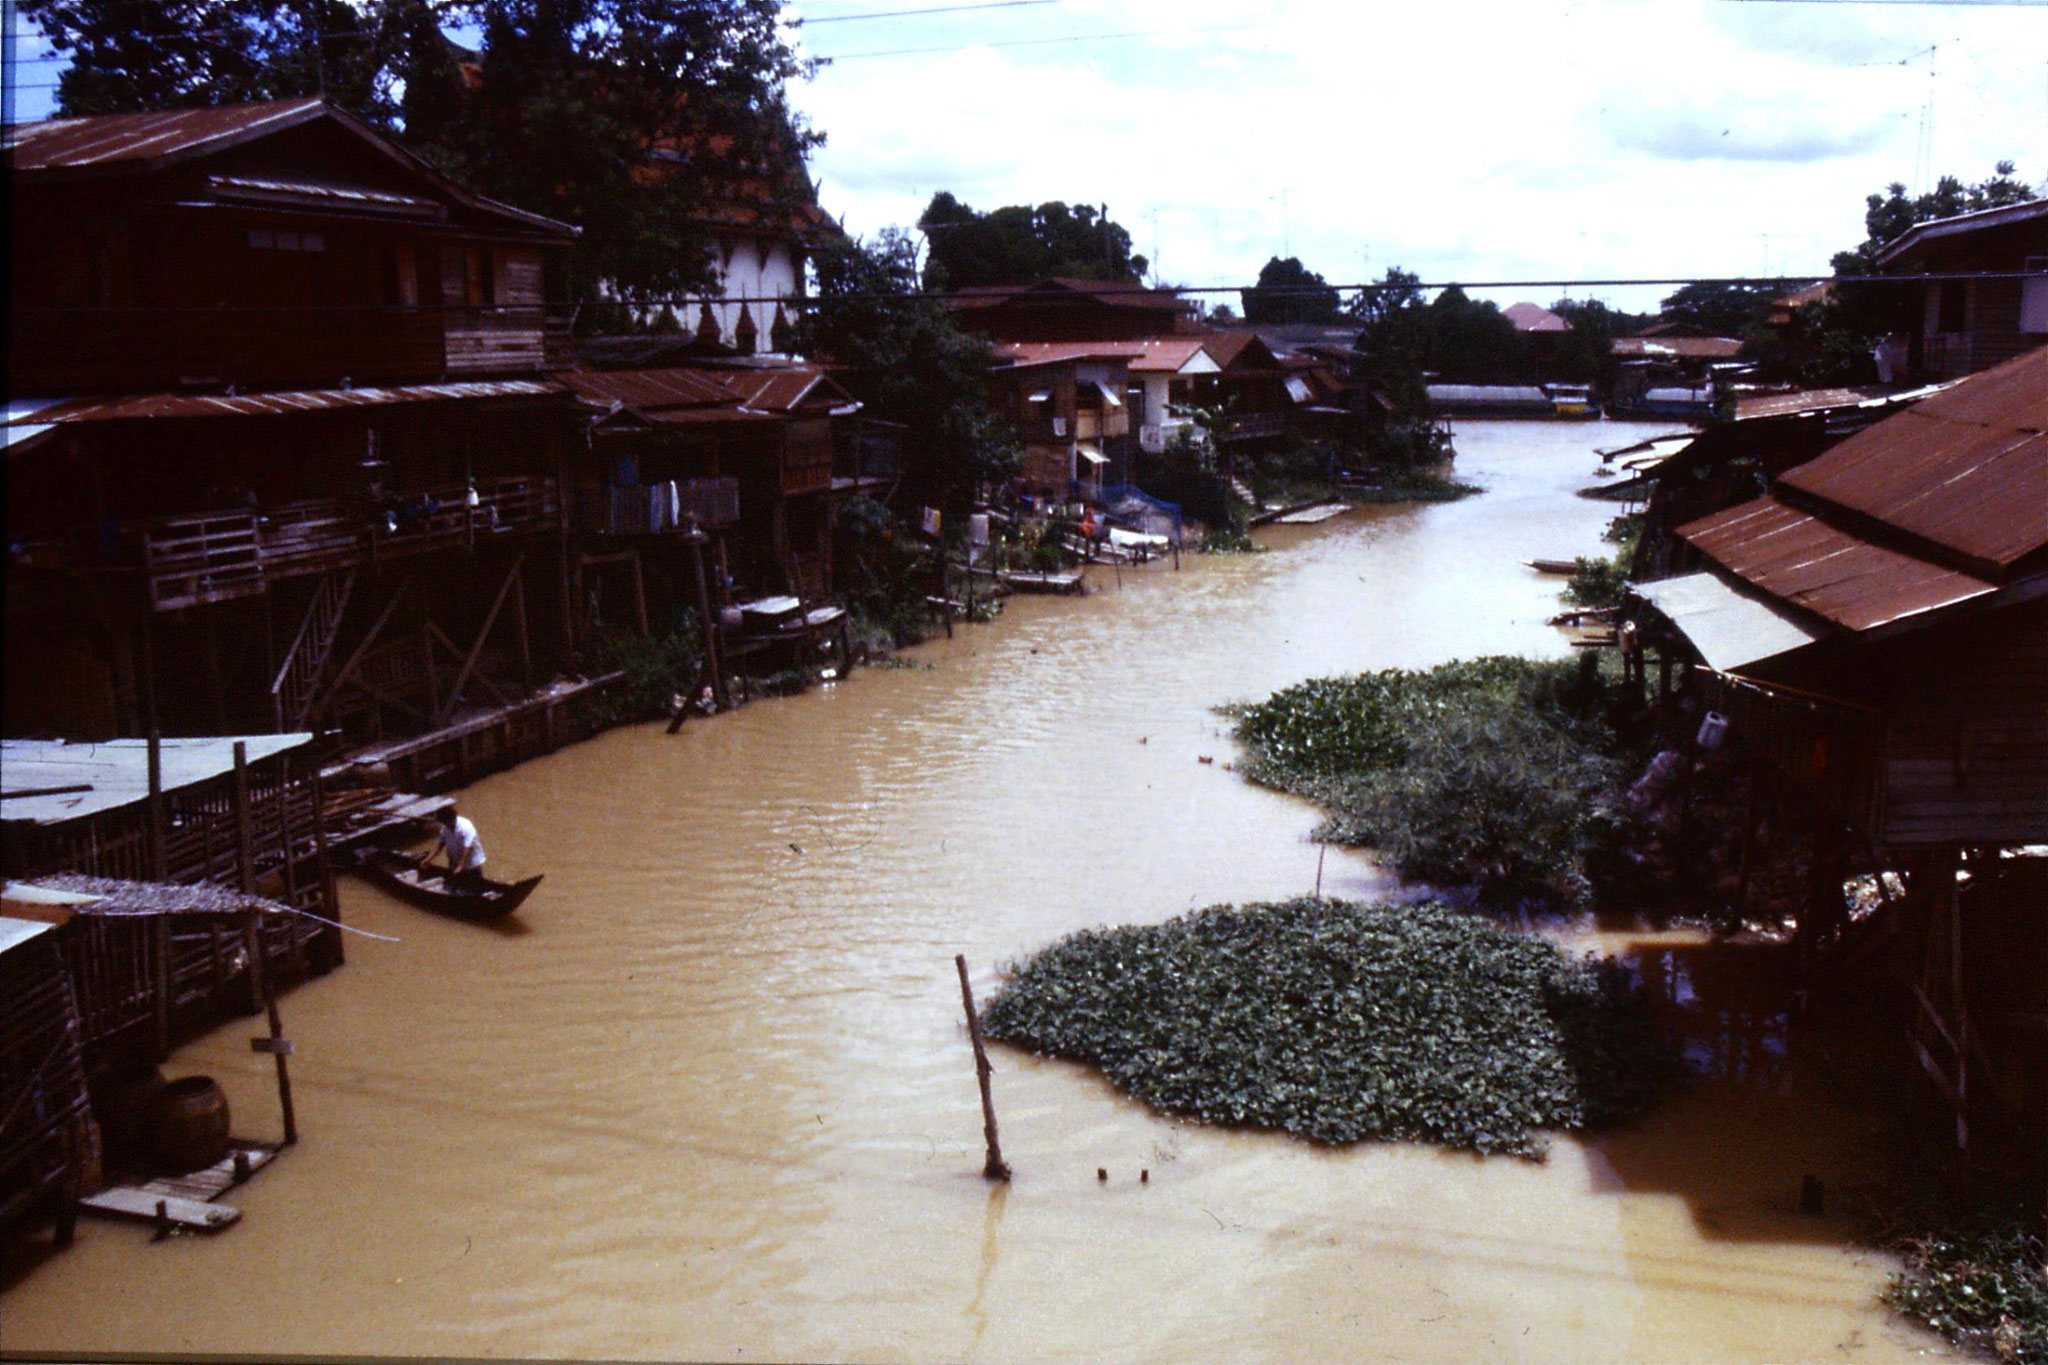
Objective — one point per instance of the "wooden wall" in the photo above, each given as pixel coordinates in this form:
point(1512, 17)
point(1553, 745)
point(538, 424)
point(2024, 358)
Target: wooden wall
point(1967, 761)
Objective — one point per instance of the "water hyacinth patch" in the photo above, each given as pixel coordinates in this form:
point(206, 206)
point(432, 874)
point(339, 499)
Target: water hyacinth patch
point(1986, 1289)
point(1485, 772)
point(1343, 1022)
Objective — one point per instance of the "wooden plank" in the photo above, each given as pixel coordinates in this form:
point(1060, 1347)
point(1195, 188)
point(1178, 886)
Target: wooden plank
point(128, 1201)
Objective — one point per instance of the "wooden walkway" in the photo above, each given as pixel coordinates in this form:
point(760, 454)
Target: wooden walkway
point(186, 1201)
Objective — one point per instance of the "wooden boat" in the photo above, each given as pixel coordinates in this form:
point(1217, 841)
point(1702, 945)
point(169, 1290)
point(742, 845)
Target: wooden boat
point(1553, 566)
point(399, 873)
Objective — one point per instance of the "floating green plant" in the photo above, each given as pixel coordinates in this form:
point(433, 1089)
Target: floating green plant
point(1342, 1022)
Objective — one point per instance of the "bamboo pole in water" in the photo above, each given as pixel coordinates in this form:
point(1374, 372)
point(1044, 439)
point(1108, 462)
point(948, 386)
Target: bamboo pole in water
point(995, 1168)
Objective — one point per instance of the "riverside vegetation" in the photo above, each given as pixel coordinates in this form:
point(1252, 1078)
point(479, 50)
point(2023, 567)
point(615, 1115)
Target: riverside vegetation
point(1488, 772)
point(1341, 1022)
point(1987, 1289)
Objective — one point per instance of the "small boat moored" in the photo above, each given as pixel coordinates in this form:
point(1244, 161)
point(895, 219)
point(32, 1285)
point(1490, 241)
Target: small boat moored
point(400, 874)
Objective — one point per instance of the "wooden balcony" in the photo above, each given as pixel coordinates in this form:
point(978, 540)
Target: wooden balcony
point(92, 350)
point(1252, 426)
point(215, 556)
point(661, 508)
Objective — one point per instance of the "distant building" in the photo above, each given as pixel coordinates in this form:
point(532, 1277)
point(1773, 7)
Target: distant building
point(1072, 310)
point(1970, 325)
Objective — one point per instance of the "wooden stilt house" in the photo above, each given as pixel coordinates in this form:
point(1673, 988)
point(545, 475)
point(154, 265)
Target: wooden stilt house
point(1874, 630)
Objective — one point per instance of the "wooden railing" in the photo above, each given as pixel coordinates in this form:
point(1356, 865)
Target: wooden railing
point(1251, 426)
point(214, 556)
point(208, 558)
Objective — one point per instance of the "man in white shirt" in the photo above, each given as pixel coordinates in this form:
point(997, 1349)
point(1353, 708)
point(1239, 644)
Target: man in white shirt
point(464, 851)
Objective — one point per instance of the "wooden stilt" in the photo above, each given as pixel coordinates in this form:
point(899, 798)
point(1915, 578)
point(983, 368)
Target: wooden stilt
point(245, 865)
point(280, 1050)
point(713, 655)
point(330, 902)
point(995, 1168)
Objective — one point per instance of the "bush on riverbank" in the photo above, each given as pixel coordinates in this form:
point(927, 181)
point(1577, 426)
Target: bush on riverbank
point(1985, 1289)
point(656, 669)
point(1413, 485)
point(1486, 772)
point(1342, 1022)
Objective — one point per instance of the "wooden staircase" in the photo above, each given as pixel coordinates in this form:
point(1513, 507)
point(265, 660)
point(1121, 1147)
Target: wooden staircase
point(299, 679)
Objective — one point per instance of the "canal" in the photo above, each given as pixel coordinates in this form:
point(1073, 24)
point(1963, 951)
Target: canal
point(711, 1097)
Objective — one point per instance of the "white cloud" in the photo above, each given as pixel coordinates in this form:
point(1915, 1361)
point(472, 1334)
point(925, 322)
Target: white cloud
point(1459, 138)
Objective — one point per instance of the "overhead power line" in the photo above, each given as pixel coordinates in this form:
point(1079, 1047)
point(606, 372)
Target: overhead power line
point(805, 22)
point(943, 295)
point(1046, 42)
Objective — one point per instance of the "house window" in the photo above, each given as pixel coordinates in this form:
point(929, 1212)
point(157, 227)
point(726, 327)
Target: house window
point(2034, 297)
point(1953, 303)
point(282, 239)
point(480, 278)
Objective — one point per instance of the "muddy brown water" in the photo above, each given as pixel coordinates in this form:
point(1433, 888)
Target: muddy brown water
point(711, 1097)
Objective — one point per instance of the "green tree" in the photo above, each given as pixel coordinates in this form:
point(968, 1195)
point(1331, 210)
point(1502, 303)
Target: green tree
point(1018, 244)
point(1586, 356)
point(901, 355)
point(1472, 341)
point(1392, 350)
point(1717, 308)
point(130, 55)
point(1289, 292)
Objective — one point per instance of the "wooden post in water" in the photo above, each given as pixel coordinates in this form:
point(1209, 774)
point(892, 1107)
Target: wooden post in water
point(159, 870)
point(245, 863)
point(279, 1049)
point(995, 1168)
point(712, 659)
point(330, 900)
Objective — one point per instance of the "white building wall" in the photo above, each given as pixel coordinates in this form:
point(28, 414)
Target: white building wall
point(750, 268)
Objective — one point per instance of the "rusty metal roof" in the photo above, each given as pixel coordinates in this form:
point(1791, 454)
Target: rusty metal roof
point(157, 405)
point(685, 394)
point(1965, 472)
point(117, 143)
point(648, 391)
point(1798, 558)
point(113, 139)
point(1675, 347)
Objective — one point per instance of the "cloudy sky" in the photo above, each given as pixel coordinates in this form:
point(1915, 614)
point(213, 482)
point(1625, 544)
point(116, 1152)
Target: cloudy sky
point(1461, 139)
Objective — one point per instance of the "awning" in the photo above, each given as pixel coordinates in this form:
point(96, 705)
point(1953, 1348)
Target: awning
point(1728, 628)
point(1109, 396)
point(1091, 455)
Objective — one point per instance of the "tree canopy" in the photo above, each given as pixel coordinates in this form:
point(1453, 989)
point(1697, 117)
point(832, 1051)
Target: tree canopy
point(1717, 308)
point(901, 354)
point(1018, 244)
point(1289, 292)
point(619, 116)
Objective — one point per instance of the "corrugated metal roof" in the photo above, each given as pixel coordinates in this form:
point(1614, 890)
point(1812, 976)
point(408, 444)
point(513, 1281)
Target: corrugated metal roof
point(1153, 355)
point(117, 142)
point(155, 405)
point(1966, 470)
point(1798, 558)
point(111, 139)
point(1728, 627)
point(116, 771)
point(646, 390)
point(1681, 348)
